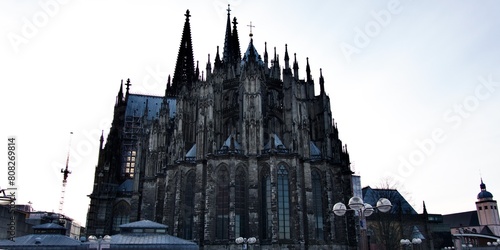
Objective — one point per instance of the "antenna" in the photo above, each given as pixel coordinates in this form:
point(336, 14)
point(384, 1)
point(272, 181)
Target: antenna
point(65, 173)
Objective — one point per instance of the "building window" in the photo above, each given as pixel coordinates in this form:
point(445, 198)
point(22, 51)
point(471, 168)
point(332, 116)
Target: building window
point(265, 211)
point(241, 214)
point(101, 212)
point(480, 208)
point(129, 163)
point(485, 207)
point(189, 205)
point(222, 204)
point(120, 215)
point(283, 203)
point(317, 193)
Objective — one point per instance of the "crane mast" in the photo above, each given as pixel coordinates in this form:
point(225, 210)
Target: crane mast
point(65, 173)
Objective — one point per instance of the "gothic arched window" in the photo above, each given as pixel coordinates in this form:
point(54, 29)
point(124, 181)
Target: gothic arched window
point(189, 205)
point(317, 193)
point(265, 203)
point(222, 204)
point(241, 213)
point(121, 214)
point(283, 203)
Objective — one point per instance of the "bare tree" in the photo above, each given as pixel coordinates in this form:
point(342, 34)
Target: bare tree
point(387, 229)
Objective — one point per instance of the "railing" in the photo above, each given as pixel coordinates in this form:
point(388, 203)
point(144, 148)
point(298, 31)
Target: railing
point(227, 151)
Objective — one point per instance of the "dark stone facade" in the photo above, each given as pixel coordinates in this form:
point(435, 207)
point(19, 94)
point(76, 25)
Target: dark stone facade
point(246, 149)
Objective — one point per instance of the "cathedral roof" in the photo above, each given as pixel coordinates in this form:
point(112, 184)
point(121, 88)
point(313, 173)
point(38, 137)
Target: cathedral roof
point(314, 150)
point(251, 54)
point(227, 143)
point(192, 151)
point(136, 105)
point(126, 186)
point(277, 142)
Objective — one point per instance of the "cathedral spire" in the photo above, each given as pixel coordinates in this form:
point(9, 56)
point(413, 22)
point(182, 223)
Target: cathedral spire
point(217, 63)
point(227, 54)
point(209, 66)
point(265, 54)
point(321, 81)
point(235, 43)
point(295, 67)
point(184, 67)
point(308, 70)
point(119, 97)
point(101, 140)
point(287, 59)
point(167, 89)
point(197, 74)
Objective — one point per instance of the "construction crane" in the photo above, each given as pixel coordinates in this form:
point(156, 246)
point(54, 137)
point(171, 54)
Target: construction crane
point(65, 173)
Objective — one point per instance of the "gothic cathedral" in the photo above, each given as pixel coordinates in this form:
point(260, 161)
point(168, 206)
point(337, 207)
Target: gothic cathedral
point(244, 150)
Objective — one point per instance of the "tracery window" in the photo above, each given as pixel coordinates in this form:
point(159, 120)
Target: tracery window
point(283, 203)
point(265, 202)
point(121, 214)
point(317, 193)
point(222, 204)
point(241, 205)
point(189, 205)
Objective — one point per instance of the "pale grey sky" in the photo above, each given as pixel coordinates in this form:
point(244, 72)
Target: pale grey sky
point(414, 85)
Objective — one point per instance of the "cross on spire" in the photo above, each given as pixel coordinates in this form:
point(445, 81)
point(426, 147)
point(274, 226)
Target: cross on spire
point(228, 9)
point(251, 26)
point(128, 84)
point(187, 14)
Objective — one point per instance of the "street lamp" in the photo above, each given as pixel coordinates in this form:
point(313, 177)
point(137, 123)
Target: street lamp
point(101, 243)
point(6, 199)
point(407, 242)
point(364, 210)
point(465, 246)
point(494, 243)
point(245, 242)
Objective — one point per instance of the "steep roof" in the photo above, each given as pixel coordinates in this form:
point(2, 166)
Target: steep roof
point(399, 203)
point(136, 105)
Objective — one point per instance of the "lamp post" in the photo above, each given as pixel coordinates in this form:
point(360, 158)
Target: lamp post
point(364, 210)
point(101, 243)
point(413, 242)
point(245, 242)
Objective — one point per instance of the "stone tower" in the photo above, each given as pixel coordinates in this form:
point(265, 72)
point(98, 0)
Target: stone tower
point(245, 150)
point(487, 210)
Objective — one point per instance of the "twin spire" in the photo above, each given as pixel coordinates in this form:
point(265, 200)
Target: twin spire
point(232, 53)
point(185, 71)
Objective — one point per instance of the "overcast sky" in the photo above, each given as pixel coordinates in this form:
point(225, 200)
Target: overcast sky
point(414, 85)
